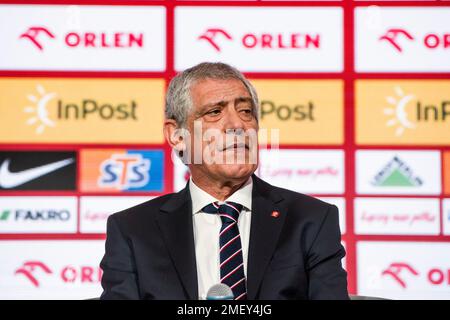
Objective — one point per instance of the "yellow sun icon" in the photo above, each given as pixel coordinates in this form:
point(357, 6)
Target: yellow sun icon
point(400, 116)
point(41, 118)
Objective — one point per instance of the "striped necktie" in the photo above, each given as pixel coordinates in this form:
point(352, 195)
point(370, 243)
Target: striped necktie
point(231, 260)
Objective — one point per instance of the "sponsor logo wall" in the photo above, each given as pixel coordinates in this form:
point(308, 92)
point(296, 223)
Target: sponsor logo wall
point(358, 94)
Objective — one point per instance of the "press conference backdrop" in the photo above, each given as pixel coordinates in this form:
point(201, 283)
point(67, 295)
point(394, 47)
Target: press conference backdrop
point(360, 93)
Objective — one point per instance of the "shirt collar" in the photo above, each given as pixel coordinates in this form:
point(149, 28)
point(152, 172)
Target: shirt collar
point(201, 198)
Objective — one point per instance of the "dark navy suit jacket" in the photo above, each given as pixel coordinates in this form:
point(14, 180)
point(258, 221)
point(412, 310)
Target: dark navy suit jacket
point(150, 250)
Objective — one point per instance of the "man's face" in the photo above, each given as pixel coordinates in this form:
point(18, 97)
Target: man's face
point(226, 114)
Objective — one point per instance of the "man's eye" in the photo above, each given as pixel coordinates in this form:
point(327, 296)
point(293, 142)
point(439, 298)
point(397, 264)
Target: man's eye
point(213, 112)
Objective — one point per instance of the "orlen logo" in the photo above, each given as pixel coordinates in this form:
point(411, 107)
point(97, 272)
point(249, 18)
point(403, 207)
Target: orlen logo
point(397, 38)
point(73, 110)
point(400, 271)
point(30, 269)
point(85, 39)
point(216, 36)
point(213, 35)
point(397, 271)
point(419, 111)
point(32, 34)
point(35, 272)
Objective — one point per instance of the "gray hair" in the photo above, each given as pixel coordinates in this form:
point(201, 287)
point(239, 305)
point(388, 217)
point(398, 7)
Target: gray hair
point(178, 97)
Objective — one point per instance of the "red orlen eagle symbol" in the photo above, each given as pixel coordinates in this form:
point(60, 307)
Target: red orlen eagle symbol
point(32, 34)
point(395, 269)
point(30, 267)
point(211, 34)
point(393, 35)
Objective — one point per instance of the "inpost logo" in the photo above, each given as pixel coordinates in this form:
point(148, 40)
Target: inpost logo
point(81, 110)
point(300, 110)
point(117, 170)
point(399, 112)
point(396, 173)
point(419, 111)
point(74, 111)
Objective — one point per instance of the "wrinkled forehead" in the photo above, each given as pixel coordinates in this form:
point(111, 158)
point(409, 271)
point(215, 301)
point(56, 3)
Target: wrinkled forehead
point(213, 91)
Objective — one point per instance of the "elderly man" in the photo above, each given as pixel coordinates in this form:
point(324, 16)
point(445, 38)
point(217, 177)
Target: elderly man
point(227, 225)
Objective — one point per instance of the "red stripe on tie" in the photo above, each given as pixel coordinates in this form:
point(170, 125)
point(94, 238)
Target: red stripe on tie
point(225, 215)
point(227, 228)
point(228, 243)
point(231, 272)
point(241, 296)
point(234, 285)
point(230, 257)
point(232, 207)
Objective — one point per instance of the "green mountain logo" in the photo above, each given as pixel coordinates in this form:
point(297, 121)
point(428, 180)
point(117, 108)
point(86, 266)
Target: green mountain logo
point(396, 173)
point(4, 215)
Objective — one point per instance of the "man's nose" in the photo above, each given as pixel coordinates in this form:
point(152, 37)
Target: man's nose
point(233, 122)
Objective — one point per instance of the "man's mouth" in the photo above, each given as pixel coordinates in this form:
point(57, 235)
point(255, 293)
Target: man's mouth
point(236, 146)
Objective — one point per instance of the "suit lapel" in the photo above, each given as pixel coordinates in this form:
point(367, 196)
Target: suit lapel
point(175, 222)
point(264, 233)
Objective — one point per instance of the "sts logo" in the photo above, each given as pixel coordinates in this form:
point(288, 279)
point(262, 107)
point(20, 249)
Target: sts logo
point(122, 170)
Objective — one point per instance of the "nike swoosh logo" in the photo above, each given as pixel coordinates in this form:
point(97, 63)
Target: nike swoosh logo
point(10, 179)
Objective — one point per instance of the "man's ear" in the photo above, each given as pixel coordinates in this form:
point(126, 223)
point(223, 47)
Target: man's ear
point(175, 136)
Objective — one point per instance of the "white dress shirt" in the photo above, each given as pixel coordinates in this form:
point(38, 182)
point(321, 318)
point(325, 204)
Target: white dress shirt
point(206, 233)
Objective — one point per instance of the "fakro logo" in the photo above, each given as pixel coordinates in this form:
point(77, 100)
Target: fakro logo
point(68, 274)
point(87, 39)
point(397, 37)
point(263, 40)
point(41, 215)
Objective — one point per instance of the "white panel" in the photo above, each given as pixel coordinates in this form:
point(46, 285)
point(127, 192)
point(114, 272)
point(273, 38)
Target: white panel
point(38, 214)
point(308, 171)
point(397, 216)
point(51, 269)
point(404, 270)
point(94, 211)
point(398, 172)
point(119, 38)
point(394, 39)
point(260, 39)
